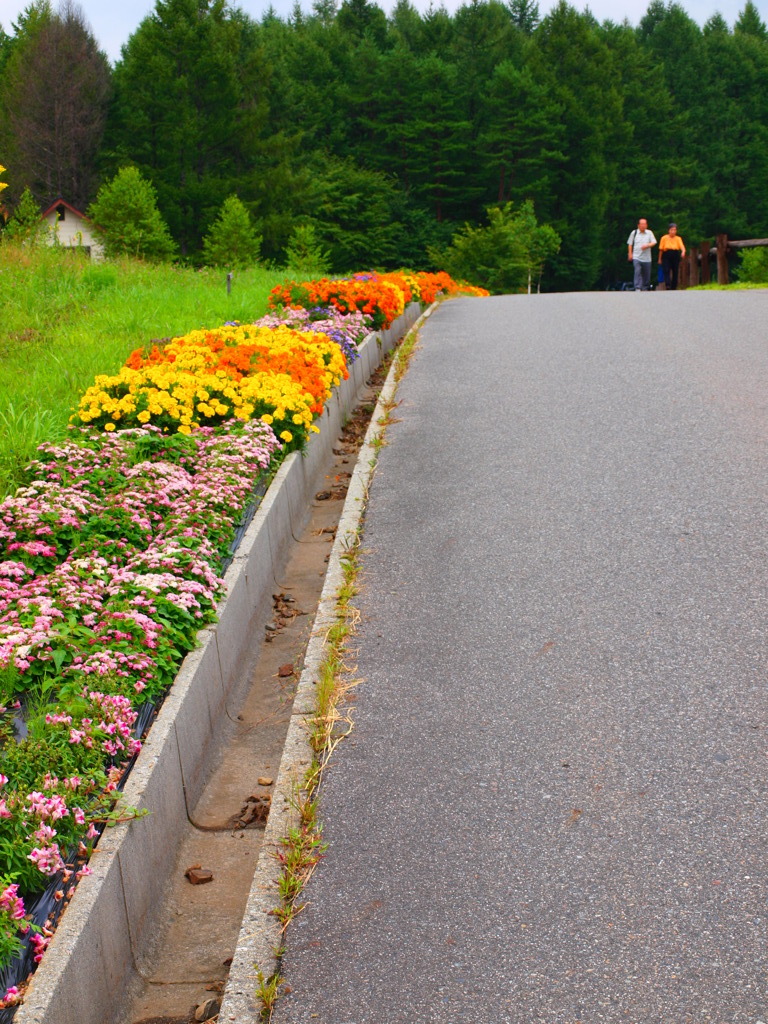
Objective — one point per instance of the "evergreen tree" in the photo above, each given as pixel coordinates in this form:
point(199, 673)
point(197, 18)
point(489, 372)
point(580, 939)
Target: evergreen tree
point(521, 141)
point(406, 26)
point(354, 212)
point(182, 113)
point(324, 11)
point(363, 18)
point(305, 257)
point(749, 22)
point(127, 218)
point(525, 15)
point(232, 240)
point(440, 148)
point(570, 54)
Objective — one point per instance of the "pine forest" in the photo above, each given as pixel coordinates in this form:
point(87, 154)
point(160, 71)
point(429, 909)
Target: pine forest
point(385, 134)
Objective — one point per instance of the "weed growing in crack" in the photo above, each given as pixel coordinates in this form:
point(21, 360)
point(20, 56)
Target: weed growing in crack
point(268, 991)
point(404, 354)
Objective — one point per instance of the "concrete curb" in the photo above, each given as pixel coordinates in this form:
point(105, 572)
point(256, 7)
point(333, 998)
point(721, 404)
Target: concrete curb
point(260, 935)
point(95, 951)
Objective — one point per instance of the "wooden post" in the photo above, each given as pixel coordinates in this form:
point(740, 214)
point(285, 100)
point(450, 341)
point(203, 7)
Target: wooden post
point(693, 263)
point(685, 273)
point(705, 261)
point(722, 259)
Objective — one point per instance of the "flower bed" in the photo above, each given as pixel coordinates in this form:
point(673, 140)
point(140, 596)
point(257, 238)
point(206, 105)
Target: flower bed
point(109, 565)
point(111, 556)
point(382, 297)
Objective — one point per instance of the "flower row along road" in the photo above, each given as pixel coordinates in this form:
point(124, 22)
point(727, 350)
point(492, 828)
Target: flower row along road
point(552, 808)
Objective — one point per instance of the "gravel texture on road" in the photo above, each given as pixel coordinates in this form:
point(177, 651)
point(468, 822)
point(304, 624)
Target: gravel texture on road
point(552, 808)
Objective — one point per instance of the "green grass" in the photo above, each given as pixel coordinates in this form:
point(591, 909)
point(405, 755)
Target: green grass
point(64, 319)
point(734, 286)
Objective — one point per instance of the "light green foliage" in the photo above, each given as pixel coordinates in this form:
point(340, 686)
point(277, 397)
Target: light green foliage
point(507, 255)
point(304, 254)
point(753, 267)
point(25, 224)
point(232, 240)
point(127, 218)
point(63, 320)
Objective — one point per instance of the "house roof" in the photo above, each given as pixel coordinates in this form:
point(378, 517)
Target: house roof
point(69, 206)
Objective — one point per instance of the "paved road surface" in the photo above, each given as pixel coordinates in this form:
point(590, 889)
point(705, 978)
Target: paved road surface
point(554, 805)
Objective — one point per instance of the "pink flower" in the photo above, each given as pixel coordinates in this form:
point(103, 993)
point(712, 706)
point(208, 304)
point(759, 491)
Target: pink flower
point(12, 903)
point(44, 833)
point(47, 860)
point(11, 998)
point(40, 944)
point(53, 807)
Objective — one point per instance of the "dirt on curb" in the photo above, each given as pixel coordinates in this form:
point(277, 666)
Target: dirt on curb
point(182, 975)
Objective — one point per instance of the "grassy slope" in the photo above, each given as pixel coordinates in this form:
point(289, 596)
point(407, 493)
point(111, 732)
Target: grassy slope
point(63, 320)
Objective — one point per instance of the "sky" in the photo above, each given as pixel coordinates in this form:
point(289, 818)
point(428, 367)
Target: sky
point(113, 21)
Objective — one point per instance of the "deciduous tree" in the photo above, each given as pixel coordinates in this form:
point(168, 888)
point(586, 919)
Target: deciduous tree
point(54, 96)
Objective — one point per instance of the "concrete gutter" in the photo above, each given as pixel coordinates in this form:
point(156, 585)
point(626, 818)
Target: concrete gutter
point(93, 955)
point(260, 935)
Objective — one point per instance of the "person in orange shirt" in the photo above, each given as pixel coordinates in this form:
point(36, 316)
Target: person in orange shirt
point(671, 251)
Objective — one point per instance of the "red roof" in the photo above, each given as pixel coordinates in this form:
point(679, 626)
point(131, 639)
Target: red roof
point(69, 206)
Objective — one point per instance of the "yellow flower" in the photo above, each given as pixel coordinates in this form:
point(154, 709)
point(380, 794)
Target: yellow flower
point(109, 426)
point(286, 436)
point(143, 417)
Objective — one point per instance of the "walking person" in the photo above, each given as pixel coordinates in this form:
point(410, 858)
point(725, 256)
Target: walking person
point(671, 251)
point(639, 245)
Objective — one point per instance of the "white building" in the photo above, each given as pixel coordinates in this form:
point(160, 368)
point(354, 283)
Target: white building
point(72, 228)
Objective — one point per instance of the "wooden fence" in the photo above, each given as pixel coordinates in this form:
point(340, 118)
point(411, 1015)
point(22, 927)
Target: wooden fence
point(696, 268)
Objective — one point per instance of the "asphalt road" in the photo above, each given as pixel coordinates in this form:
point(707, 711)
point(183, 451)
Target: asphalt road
point(553, 805)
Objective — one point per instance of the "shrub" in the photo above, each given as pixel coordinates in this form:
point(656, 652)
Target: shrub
point(754, 266)
point(507, 255)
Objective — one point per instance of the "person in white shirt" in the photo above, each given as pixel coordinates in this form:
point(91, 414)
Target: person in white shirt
point(639, 245)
